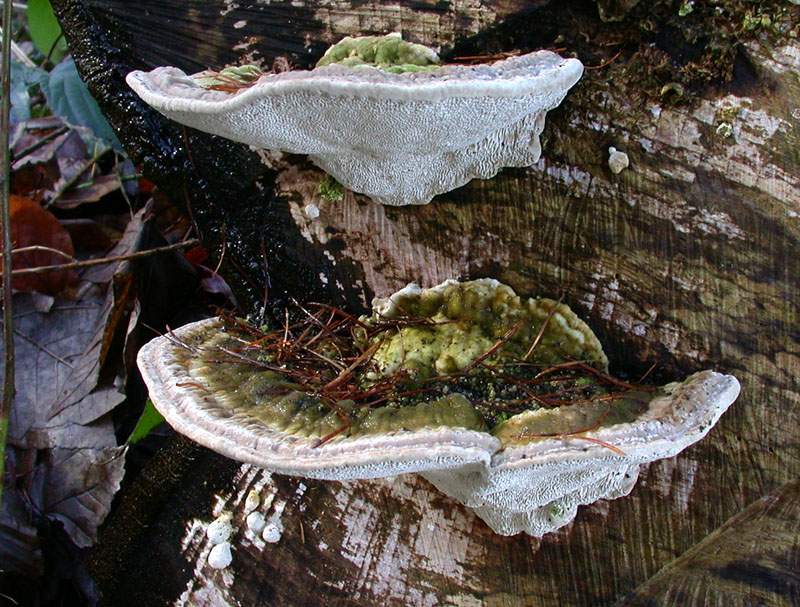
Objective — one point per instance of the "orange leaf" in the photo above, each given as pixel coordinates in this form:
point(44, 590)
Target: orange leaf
point(31, 225)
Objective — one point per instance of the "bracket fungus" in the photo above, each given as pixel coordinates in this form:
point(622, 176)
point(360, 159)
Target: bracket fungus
point(379, 114)
point(502, 403)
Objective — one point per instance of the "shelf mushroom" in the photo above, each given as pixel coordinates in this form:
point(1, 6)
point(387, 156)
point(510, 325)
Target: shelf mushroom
point(504, 404)
point(379, 114)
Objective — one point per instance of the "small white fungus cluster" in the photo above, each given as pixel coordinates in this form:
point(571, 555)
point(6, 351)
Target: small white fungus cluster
point(221, 529)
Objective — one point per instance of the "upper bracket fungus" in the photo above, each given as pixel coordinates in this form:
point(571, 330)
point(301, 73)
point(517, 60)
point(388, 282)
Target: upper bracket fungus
point(502, 403)
point(381, 115)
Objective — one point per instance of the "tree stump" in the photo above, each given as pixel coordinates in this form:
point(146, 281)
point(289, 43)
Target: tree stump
point(689, 259)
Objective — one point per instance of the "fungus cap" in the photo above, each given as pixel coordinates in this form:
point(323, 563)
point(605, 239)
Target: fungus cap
point(527, 474)
point(400, 138)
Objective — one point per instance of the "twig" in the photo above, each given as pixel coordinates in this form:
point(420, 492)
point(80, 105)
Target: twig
point(40, 143)
point(88, 263)
point(647, 373)
point(37, 247)
point(540, 334)
point(579, 434)
point(39, 346)
point(497, 345)
point(5, 212)
point(346, 372)
point(590, 369)
point(604, 63)
point(18, 53)
point(76, 177)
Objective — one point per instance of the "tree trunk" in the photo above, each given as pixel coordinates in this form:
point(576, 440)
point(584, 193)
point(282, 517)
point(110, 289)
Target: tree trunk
point(688, 259)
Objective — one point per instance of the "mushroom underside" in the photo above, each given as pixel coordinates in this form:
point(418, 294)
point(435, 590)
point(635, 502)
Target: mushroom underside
point(417, 135)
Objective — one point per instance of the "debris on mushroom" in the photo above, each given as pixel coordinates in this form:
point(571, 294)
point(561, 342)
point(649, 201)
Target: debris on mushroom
point(379, 114)
point(503, 403)
point(617, 161)
point(220, 529)
point(220, 556)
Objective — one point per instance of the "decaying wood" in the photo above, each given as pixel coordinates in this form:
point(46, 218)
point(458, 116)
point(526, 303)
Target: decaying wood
point(689, 258)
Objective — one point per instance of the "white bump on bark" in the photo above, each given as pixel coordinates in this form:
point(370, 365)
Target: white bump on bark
point(220, 556)
point(252, 501)
point(220, 529)
point(725, 129)
point(272, 533)
point(256, 522)
point(617, 161)
point(311, 211)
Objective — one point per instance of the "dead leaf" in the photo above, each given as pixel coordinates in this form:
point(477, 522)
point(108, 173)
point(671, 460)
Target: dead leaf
point(31, 225)
point(91, 191)
point(64, 463)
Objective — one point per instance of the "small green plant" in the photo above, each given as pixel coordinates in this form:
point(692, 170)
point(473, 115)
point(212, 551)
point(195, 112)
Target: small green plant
point(149, 419)
point(330, 189)
point(45, 31)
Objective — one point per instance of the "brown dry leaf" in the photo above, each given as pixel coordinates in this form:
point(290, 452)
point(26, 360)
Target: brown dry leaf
point(31, 225)
point(37, 173)
point(91, 191)
point(64, 464)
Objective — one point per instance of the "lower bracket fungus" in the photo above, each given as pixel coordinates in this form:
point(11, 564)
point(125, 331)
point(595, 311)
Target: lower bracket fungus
point(379, 114)
point(502, 403)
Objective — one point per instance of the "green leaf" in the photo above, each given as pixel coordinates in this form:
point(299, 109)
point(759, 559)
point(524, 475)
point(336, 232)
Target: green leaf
point(45, 30)
point(69, 99)
point(150, 419)
point(23, 79)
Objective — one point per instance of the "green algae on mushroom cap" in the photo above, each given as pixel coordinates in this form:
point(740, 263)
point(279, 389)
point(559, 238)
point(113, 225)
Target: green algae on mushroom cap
point(389, 53)
point(468, 318)
point(264, 396)
point(461, 355)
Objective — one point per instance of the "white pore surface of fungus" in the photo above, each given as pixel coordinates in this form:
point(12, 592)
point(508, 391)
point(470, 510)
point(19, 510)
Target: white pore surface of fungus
point(533, 487)
point(398, 138)
point(220, 556)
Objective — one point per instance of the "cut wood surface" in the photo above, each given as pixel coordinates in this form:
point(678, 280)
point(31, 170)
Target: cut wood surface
point(688, 259)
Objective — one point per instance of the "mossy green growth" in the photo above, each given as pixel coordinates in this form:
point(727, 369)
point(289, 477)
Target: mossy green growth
point(331, 190)
point(466, 319)
point(389, 53)
point(417, 339)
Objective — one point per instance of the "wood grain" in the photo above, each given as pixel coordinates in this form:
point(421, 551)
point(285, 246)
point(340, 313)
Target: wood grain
point(753, 559)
